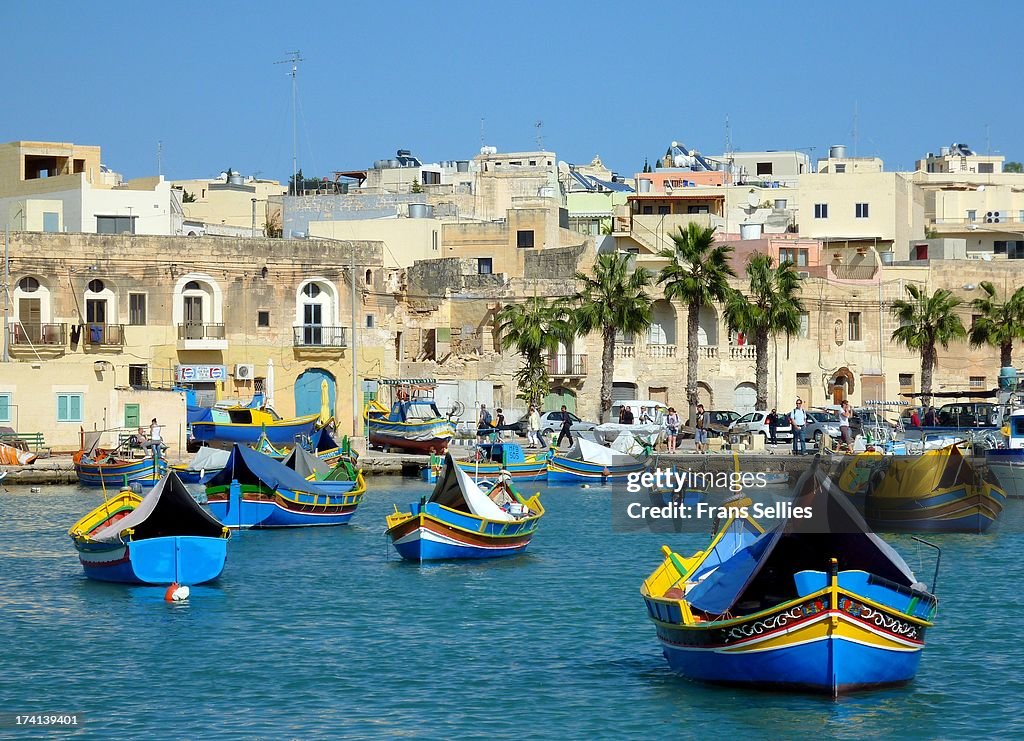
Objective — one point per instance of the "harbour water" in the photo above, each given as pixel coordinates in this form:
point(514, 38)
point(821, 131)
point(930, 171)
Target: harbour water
point(324, 633)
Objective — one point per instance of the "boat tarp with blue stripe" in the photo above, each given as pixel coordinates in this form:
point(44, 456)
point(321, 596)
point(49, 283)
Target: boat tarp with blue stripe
point(322, 440)
point(835, 529)
point(199, 414)
point(247, 466)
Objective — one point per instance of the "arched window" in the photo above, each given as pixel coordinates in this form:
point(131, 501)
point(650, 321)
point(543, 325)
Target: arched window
point(100, 309)
point(311, 290)
point(192, 285)
point(316, 313)
point(28, 285)
point(369, 277)
point(31, 304)
point(96, 286)
point(198, 309)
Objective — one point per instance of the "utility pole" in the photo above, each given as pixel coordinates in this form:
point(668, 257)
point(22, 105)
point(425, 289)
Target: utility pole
point(355, 353)
point(294, 57)
point(254, 218)
point(7, 291)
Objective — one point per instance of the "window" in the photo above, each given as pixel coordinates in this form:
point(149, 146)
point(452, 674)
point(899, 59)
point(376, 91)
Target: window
point(985, 167)
point(796, 256)
point(115, 224)
point(803, 379)
point(368, 278)
point(920, 252)
point(137, 309)
point(262, 318)
point(484, 265)
point(853, 323)
point(96, 286)
point(662, 210)
point(369, 321)
point(805, 326)
point(51, 221)
point(972, 214)
point(697, 210)
point(312, 290)
point(841, 168)
point(861, 210)
point(977, 382)
point(906, 380)
point(821, 210)
point(5, 407)
point(138, 376)
point(524, 238)
point(69, 407)
point(28, 285)
point(764, 168)
point(974, 319)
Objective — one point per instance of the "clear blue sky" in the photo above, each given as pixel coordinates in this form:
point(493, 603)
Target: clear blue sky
point(618, 79)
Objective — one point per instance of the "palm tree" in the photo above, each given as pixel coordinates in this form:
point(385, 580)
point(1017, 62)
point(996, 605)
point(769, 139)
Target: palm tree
point(611, 299)
point(772, 308)
point(533, 328)
point(999, 324)
point(698, 275)
point(927, 321)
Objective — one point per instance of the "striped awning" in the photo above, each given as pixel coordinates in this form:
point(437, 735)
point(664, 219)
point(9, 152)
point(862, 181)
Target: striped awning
point(882, 403)
point(408, 382)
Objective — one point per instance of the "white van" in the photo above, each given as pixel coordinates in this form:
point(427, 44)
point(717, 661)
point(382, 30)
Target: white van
point(655, 410)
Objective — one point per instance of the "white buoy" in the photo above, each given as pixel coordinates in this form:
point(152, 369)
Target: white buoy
point(176, 593)
point(35, 489)
point(585, 486)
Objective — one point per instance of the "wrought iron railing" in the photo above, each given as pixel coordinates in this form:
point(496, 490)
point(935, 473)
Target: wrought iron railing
point(567, 365)
point(200, 331)
point(318, 335)
point(48, 335)
point(104, 334)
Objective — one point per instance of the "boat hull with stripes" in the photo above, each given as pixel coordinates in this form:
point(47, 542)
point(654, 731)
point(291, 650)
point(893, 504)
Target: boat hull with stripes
point(256, 507)
point(278, 432)
point(567, 470)
point(114, 475)
point(429, 538)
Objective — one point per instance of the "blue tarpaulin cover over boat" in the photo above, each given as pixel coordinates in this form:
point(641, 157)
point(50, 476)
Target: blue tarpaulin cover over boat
point(247, 466)
point(322, 441)
point(834, 530)
point(199, 414)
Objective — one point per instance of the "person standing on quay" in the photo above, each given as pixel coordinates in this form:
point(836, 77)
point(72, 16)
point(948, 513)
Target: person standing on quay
point(773, 426)
point(566, 428)
point(798, 418)
point(700, 434)
point(534, 427)
point(672, 422)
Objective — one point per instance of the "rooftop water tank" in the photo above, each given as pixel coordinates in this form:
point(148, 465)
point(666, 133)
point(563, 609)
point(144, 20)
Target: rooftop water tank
point(750, 231)
point(462, 165)
point(235, 179)
point(644, 185)
point(421, 211)
point(837, 152)
point(1007, 379)
point(943, 151)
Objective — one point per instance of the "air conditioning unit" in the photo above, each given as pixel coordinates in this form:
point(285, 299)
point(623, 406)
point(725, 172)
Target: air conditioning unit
point(244, 372)
point(993, 217)
point(803, 274)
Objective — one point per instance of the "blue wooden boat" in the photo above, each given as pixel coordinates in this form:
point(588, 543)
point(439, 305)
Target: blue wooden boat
point(1007, 463)
point(254, 491)
point(104, 468)
point(164, 538)
point(412, 423)
point(817, 604)
point(246, 425)
point(323, 445)
point(589, 462)
point(463, 520)
point(488, 460)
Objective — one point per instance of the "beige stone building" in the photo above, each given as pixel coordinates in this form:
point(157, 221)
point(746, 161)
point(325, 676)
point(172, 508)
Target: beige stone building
point(230, 204)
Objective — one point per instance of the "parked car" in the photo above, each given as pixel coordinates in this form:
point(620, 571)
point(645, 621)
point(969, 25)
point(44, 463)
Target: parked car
point(654, 410)
point(719, 421)
point(551, 422)
point(967, 414)
point(756, 422)
point(822, 422)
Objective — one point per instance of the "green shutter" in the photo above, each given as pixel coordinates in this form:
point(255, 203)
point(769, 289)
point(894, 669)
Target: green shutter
point(62, 407)
point(5, 407)
point(75, 407)
point(131, 416)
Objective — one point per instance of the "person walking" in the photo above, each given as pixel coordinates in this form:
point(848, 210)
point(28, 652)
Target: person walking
point(625, 416)
point(499, 425)
point(798, 420)
point(700, 434)
point(929, 417)
point(155, 438)
point(672, 423)
point(773, 426)
point(844, 425)
point(915, 420)
point(483, 424)
point(566, 428)
point(533, 423)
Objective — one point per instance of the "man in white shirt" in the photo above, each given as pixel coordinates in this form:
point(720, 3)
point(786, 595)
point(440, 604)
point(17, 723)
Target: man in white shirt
point(155, 438)
point(798, 420)
point(534, 436)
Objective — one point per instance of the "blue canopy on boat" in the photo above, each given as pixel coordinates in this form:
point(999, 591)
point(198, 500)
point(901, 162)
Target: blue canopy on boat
point(322, 440)
point(834, 529)
point(248, 466)
point(199, 414)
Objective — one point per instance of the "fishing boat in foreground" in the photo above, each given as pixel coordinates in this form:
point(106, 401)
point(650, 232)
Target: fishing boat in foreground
point(206, 462)
point(936, 491)
point(254, 491)
point(488, 460)
point(242, 424)
point(463, 520)
point(164, 538)
point(818, 603)
point(588, 461)
point(1007, 462)
point(412, 423)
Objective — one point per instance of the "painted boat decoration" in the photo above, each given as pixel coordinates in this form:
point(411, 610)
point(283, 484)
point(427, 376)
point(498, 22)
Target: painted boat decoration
point(12, 456)
point(254, 491)
point(1007, 463)
point(239, 424)
point(341, 477)
point(206, 462)
point(164, 538)
point(936, 491)
point(819, 604)
point(105, 468)
point(463, 520)
point(588, 461)
point(412, 423)
point(489, 460)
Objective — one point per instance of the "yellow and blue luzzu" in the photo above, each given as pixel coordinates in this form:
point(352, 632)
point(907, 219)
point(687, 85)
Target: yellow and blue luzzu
point(823, 607)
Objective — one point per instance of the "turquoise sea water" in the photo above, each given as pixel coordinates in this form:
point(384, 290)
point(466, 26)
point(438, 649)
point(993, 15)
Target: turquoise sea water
point(324, 633)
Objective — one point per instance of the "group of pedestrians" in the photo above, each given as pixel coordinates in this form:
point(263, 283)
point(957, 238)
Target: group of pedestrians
point(492, 427)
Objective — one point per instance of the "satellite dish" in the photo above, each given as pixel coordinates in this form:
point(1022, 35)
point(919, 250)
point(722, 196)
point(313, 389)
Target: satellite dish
point(753, 200)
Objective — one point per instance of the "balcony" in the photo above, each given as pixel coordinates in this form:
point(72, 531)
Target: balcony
point(104, 335)
point(317, 335)
point(200, 336)
point(661, 351)
point(742, 352)
point(707, 351)
point(567, 366)
point(48, 336)
point(623, 350)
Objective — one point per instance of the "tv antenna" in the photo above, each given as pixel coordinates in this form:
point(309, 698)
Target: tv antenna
point(294, 57)
point(539, 125)
point(159, 158)
point(728, 137)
